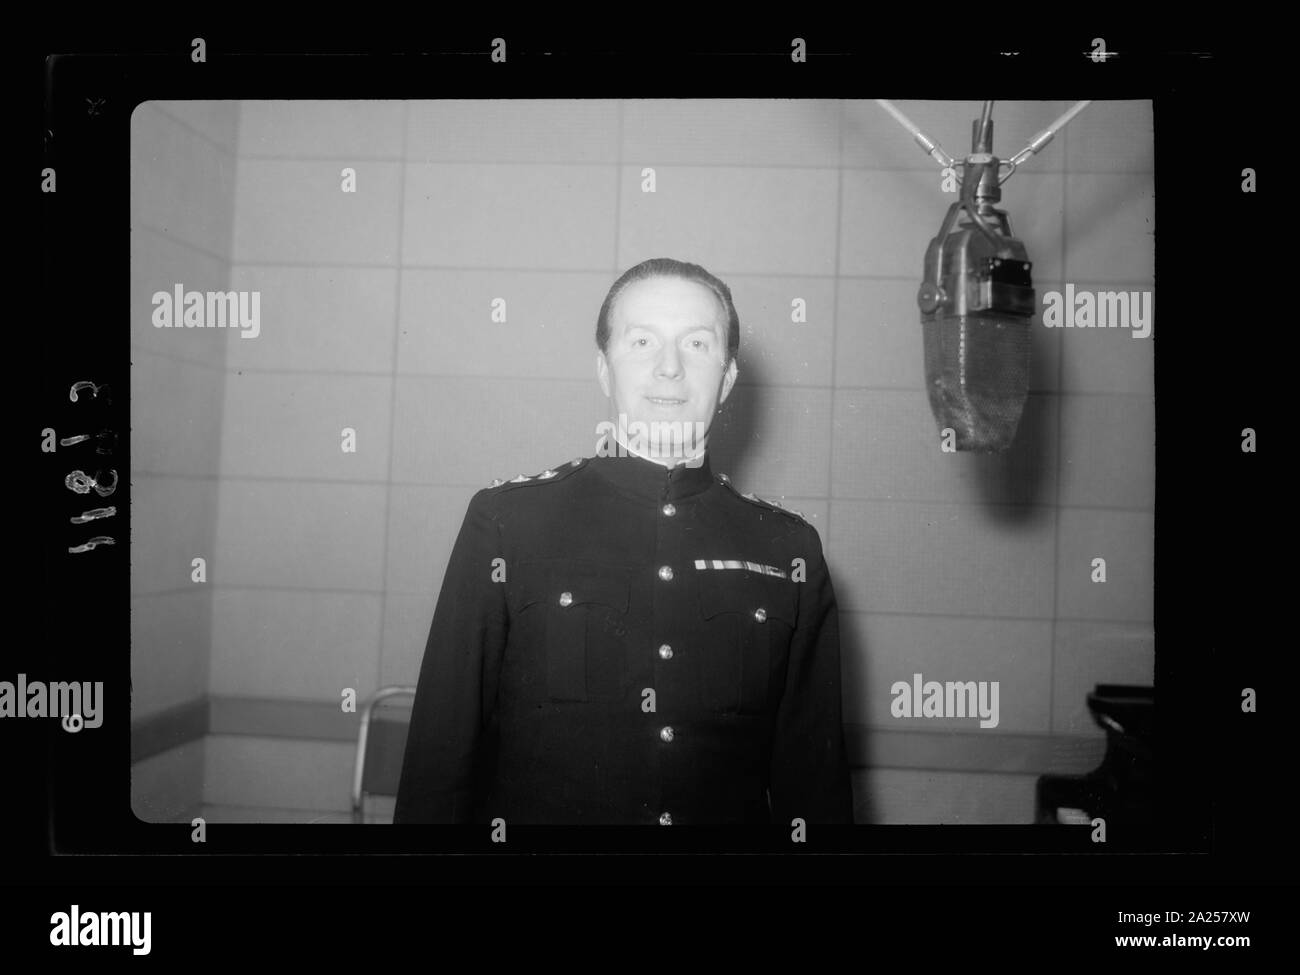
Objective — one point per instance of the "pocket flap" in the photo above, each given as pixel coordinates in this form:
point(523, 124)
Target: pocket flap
point(746, 593)
point(566, 584)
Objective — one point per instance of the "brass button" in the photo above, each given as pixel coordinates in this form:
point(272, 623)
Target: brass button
point(760, 614)
point(666, 732)
point(666, 573)
point(670, 510)
point(665, 819)
point(665, 652)
point(566, 598)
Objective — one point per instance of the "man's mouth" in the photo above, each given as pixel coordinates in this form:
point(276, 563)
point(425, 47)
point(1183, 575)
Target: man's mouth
point(665, 400)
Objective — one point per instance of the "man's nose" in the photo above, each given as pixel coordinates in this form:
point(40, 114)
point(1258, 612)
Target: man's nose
point(670, 363)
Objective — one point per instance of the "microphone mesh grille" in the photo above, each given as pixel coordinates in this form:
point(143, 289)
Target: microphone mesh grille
point(977, 376)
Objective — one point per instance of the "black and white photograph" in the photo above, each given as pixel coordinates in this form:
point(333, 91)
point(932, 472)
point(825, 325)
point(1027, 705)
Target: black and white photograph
point(471, 469)
point(643, 461)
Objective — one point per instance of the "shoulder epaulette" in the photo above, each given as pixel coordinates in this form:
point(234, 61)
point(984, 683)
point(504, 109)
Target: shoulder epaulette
point(548, 475)
point(761, 502)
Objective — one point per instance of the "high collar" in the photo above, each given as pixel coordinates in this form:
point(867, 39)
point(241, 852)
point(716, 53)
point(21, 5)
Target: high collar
point(652, 481)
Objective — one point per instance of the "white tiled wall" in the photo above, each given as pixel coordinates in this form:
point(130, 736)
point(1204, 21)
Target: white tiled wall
point(182, 204)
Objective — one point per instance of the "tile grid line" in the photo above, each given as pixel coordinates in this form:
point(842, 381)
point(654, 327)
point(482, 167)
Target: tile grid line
point(392, 395)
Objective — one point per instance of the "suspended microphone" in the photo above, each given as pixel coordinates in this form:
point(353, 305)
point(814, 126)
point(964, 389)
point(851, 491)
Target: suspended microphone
point(977, 304)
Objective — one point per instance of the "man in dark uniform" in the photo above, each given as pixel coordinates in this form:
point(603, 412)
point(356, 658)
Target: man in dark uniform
point(626, 638)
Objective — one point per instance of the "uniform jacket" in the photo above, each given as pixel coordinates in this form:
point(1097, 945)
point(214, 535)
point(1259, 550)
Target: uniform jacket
point(618, 643)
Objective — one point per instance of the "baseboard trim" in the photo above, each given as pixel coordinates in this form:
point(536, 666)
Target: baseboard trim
point(867, 747)
point(169, 728)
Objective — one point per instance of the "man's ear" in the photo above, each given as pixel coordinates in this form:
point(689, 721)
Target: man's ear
point(728, 380)
point(602, 372)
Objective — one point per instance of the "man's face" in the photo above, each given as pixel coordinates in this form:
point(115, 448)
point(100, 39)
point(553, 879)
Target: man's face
point(666, 358)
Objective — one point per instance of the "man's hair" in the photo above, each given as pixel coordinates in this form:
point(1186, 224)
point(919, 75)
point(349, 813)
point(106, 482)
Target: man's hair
point(666, 267)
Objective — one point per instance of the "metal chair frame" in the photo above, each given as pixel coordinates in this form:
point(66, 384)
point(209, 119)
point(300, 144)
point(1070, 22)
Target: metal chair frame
point(363, 740)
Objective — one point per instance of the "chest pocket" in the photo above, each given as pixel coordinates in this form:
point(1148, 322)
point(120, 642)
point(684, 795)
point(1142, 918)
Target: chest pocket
point(745, 642)
point(576, 615)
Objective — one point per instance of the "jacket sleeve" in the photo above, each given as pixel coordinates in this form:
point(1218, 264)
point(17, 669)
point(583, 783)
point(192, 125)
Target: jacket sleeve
point(455, 691)
point(809, 776)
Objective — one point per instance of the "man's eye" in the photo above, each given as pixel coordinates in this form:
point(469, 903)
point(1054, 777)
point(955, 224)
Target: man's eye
point(641, 341)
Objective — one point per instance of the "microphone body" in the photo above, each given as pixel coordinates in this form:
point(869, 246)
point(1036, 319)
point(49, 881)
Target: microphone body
point(977, 305)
